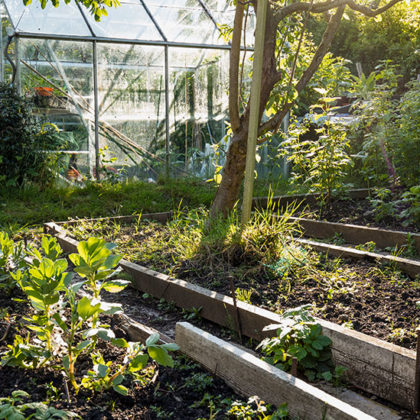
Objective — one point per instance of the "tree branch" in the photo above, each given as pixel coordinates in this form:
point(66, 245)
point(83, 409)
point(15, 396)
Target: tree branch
point(328, 5)
point(235, 54)
point(323, 48)
point(370, 12)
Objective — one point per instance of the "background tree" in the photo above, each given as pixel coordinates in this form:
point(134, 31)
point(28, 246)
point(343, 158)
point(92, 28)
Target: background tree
point(283, 80)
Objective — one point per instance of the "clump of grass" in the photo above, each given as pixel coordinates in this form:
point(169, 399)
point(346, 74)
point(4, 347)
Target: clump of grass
point(189, 246)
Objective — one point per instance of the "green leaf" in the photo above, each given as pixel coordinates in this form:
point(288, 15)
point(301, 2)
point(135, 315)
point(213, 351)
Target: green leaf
point(60, 322)
point(118, 380)
point(102, 370)
point(66, 362)
point(81, 346)
point(160, 356)
point(153, 339)
point(120, 389)
point(115, 286)
point(112, 261)
point(139, 362)
point(327, 376)
point(120, 342)
point(85, 309)
point(170, 347)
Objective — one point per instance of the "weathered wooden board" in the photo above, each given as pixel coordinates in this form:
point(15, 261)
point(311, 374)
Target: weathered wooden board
point(354, 234)
point(158, 217)
point(384, 369)
point(249, 375)
point(411, 267)
point(287, 200)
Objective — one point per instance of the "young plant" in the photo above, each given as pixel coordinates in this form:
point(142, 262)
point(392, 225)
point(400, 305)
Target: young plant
point(299, 336)
point(14, 408)
point(104, 376)
point(96, 263)
point(43, 284)
point(321, 163)
point(82, 311)
point(11, 259)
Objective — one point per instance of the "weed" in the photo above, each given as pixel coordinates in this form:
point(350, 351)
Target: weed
point(243, 295)
point(367, 246)
point(299, 336)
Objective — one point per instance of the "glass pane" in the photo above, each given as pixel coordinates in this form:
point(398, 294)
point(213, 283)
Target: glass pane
point(5, 67)
point(127, 21)
point(65, 19)
point(184, 21)
point(132, 107)
point(58, 75)
point(224, 13)
point(198, 109)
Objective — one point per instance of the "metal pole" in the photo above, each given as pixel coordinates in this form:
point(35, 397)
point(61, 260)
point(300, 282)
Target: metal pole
point(254, 115)
point(167, 163)
point(18, 68)
point(96, 106)
point(1, 51)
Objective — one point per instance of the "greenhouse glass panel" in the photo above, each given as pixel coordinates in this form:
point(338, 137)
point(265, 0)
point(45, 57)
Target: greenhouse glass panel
point(65, 19)
point(224, 14)
point(5, 67)
point(184, 21)
point(127, 21)
point(132, 107)
point(58, 75)
point(198, 108)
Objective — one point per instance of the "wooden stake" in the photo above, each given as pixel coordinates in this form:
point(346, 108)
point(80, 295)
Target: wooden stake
point(417, 383)
point(254, 115)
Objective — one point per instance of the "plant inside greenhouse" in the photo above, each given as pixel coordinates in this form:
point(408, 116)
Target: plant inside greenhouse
point(210, 209)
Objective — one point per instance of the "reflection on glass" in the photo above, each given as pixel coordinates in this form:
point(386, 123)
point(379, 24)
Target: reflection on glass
point(128, 21)
point(62, 20)
point(184, 21)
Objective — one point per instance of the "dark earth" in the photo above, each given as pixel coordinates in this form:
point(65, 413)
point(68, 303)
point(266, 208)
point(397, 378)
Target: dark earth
point(184, 392)
point(358, 212)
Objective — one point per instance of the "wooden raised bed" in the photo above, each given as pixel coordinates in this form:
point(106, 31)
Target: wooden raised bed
point(319, 230)
point(384, 369)
point(310, 199)
point(355, 234)
point(248, 375)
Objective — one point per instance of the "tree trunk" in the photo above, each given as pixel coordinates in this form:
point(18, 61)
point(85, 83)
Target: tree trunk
point(233, 174)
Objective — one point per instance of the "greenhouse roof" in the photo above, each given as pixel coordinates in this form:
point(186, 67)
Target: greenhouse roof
point(156, 22)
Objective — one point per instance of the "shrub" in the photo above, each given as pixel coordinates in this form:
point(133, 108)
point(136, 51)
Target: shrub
point(22, 141)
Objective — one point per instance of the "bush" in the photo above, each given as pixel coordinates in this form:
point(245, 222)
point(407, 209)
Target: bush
point(385, 136)
point(22, 141)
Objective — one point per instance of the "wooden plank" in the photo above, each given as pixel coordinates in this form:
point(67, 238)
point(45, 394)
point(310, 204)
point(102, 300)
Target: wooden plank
point(140, 332)
point(158, 217)
point(391, 368)
point(355, 234)
point(285, 200)
point(249, 376)
point(411, 267)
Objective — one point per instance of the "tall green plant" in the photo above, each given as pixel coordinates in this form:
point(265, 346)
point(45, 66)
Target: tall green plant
point(24, 141)
point(386, 131)
point(322, 163)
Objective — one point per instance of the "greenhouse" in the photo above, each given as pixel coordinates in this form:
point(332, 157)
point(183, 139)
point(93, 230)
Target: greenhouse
point(144, 89)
